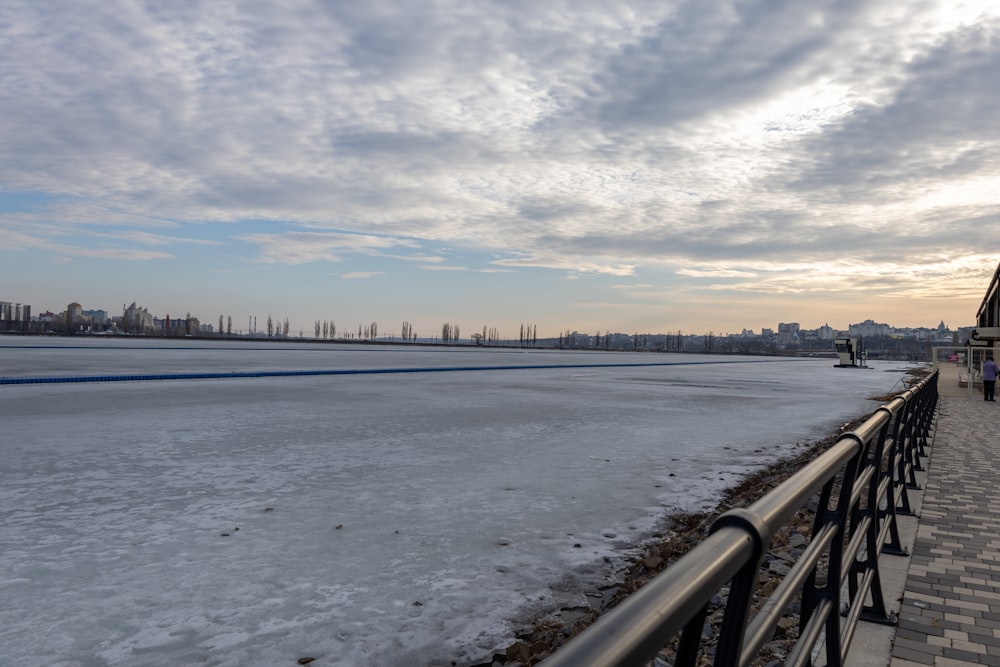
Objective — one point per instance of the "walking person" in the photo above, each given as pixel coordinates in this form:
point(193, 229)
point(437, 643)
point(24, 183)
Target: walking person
point(989, 379)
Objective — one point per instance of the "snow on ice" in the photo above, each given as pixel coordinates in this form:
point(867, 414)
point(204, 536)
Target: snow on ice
point(371, 519)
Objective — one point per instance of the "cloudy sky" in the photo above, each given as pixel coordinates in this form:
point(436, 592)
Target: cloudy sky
point(627, 166)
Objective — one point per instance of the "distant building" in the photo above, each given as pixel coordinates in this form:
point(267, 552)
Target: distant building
point(788, 334)
point(77, 320)
point(868, 329)
point(14, 316)
point(72, 319)
point(176, 326)
point(99, 318)
point(137, 320)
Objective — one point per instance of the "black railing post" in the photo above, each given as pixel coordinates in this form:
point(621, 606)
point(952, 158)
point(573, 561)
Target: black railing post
point(690, 641)
point(878, 520)
point(729, 651)
point(899, 462)
point(892, 481)
point(909, 433)
point(927, 406)
point(914, 447)
point(811, 593)
point(835, 571)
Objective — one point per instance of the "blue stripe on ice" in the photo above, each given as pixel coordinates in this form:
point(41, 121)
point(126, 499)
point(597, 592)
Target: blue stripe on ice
point(357, 371)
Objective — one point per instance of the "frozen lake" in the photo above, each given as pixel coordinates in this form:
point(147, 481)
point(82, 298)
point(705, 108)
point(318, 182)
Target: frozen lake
point(370, 519)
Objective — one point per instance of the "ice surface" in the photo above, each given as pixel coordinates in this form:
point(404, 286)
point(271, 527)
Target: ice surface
point(391, 519)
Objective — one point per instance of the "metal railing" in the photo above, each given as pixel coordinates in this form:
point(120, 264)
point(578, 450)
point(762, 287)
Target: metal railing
point(861, 482)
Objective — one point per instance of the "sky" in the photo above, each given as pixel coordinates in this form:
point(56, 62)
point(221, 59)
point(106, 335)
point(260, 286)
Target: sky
point(589, 166)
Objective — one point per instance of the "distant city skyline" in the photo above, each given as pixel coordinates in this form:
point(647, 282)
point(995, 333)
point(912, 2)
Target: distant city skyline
point(258, 323)
point(634, 166)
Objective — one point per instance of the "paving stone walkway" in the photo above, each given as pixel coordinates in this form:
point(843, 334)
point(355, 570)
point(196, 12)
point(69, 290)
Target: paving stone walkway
point(950, 612)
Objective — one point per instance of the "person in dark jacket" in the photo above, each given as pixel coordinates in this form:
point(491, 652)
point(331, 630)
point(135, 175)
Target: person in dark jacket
point(989, 379)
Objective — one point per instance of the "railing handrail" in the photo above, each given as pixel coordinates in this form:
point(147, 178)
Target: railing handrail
point(868, 470)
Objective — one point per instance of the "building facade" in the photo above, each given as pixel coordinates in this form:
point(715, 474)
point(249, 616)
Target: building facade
point(14, 317)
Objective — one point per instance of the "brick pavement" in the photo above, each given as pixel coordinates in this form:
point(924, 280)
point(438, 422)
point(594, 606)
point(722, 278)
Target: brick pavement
point(950, 611)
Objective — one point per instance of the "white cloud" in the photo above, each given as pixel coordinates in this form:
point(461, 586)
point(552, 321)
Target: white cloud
point(715, 273)
point(147, 238)
point(441, 267)
point(302, 247)
point(567, 264)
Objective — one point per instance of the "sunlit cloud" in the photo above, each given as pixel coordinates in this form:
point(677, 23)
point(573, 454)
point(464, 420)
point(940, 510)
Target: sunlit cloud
point(146, 238)
point(714, 273)
point(566, 263)
point(440, 267)
point(11, 239)
point(360, 275)
point(302, 247)
point(129, 254)
point(418, 258)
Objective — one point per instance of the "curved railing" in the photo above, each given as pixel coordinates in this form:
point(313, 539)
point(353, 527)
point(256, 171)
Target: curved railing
point(861, 482)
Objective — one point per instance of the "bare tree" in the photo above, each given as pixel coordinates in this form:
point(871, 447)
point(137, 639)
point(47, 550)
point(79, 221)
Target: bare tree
point(284, 328)
point(220, 325)
point(229, 325)
point(270, 326)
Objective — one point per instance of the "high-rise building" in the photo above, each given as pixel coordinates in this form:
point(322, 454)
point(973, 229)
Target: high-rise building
point(14, 316)
point(788, 333)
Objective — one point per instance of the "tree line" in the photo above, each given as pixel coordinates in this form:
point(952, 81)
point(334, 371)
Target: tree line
point(527, 337)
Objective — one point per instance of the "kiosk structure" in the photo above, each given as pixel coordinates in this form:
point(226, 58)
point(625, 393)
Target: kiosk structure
point(851, 353)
